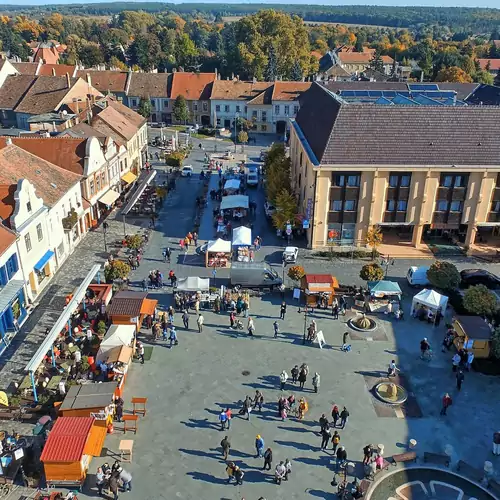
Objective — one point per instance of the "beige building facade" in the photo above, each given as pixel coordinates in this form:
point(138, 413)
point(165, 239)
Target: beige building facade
point(417, 173)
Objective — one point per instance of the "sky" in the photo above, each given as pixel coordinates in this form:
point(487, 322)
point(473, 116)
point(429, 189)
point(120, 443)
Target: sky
point(427, 3)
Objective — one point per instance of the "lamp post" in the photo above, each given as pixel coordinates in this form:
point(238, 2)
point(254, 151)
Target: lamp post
point(236, 116)
point(104, 231)
point(305, 323)
point(124, 228)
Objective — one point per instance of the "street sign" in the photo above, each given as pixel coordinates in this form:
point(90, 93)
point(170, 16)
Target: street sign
point(309, 208)
point(305, 224)
point(214, 273)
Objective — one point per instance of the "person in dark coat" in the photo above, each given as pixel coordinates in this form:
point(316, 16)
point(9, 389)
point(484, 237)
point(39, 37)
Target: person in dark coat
point(268, 459)
point(341, 457)
point(283, 310)
point(460, 379)
point(302, 378)
point(325, 437)
point(113, 484)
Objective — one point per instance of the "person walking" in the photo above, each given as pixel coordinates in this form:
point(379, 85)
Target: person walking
point(140, 351)
point(222, 420)
point(335, 310)
point(259, 446)
point(325, 437)
point(344, 417)
point(268, 459)
point(245, 307)
point(144, 285)
point(367, 454)
point(100, 481)
point(455, 361)
point(341, 457)
point(295, 374)
point(496, 443)
point(113, 484)
point(345, 336)
point(173, 337)
point(230, 471)
point(164, 253)
point(283, 310)
point(232, 319)
point(258, 400)
point(168, 254)
point(238, 475)
point(229, 415)
point(302, 377)
point(200, 322)
point(247, 406)
point(195, 238)
point(288, 469)
point(335, 441)
point(185, 319)
point(316, 381)
point(279, 473)
point(226, 446)
point(470, 359)
point(126, 479)
point(283, 379)
point(323, 422)
point(250, 326)
point(276, 327)
point(460, 379)
point(447, 401)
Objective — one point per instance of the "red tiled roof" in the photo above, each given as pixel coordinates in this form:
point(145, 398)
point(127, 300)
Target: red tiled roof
point(114, 81)
point(112, 123)
point(48, 55)
point(318, 278)
point(14, 89)
point(237, 89)
point(289, 91)
point(126, 303)
point(361, 58)
point(193, 86)
point(26, 68)
point(67, 439)
point(493, 63)
point(7, 238)
point(56, 70)
point(7, 202)
point(149, 85)
point(131, 115)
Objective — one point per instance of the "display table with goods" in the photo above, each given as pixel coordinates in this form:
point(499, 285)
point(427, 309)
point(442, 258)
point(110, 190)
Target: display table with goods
point(218, 253)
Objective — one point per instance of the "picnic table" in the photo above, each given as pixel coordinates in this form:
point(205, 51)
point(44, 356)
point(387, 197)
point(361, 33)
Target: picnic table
point(54, 382)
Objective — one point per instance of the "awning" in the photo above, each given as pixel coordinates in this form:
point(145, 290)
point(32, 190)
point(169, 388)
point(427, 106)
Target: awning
point(144, 181)
point(148, 307)
point(193, 284)
point(234, 201)
point(8, 293)
point(129, 177)
point(109, 197)
point(219, 245)
point(384, 287)
point(242, 236)
point(232, 184)
point(41, 263)
point(394, 224)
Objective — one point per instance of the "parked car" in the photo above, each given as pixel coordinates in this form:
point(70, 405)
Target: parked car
point(269, 209)
point(471, 277)
point(252, 179)
point(290, 255)
point(187, 171)
point(191, 130)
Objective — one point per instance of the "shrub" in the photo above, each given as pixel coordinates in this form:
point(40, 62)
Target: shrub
point(175, 159)
point(443, 275)
point(295, 273)
point(371, 272)
point(116, 270)
point(481, 301)
point(495, 343)
point(134, 241)
point(101, 327)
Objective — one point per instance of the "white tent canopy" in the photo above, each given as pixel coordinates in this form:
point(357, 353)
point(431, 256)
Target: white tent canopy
point(242, 236)
point(219, 246)
point(193, 284)
point(431, 299)
point(232, 184)
point(117, 335)
point(234, 201)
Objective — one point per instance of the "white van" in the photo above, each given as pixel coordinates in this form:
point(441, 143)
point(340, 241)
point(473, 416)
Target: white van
point(417, 276)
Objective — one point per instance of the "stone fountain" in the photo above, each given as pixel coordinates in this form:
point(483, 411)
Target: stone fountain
point(362, 323)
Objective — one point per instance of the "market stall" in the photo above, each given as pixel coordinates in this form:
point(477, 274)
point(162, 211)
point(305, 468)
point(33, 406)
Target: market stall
point(232, 186)
point(129, 307)
point(69, 449)
point(473, 334)
point(192, 289)
point(319, 289)
point(426, 304)
point(383, 297)
point(242, 241)
point(218, 253)
point(88, 399)
point(193, 284)
point(234, 206)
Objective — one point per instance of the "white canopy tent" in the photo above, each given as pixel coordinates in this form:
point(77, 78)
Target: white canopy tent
point(117, 335)
point(242, 236)
point(232, 184)
point(430, 299)
point(234, 201)
point(193, 284)
point(219, 246)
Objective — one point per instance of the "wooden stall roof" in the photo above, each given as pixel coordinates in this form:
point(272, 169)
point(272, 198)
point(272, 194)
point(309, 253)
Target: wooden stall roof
point(149, 306)
point(318, 282)
point(67, 439)
point(127, 303)
point(80, 397)
point(474, 327)
point(121, 353)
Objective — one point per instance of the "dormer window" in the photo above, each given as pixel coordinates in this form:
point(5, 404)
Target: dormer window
point(28, 207)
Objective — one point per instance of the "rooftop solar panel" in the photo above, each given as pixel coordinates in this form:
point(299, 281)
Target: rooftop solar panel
point(423, 86)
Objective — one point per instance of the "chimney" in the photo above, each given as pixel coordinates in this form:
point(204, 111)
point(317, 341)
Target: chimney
point(89, 81)
point(232, 76)
point(68, 80)
point(53, 71)
point(215, 71)
point(254, 80)
point(8, 141)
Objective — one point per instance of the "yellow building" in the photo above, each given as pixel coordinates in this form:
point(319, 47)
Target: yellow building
point(418, 172)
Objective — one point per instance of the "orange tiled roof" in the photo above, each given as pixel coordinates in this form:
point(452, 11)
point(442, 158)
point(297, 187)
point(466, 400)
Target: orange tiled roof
point(237, 89)
point(114, 81)
point(289, 91)
point(112, 123)
point(56, 70)
point(493, 63)
point(132, 116)
point(7, 238)
point(193, 86)
point(49, 55)
point(361, 58)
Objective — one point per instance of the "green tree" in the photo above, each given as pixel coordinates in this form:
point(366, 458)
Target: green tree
point(145, 107)
point(495, 343)
point(497, 78)
point(277, 168)
point(481, 301)
point(145, 52)
point(242, 137)
point(374, 239)
point(185, 49)
point(271, 71)
point(484, 77)
point(371, 272)
point(296, 74)
point(90, 55)
point(360, 40)
point(117, 269)
point(443, 275)
point(286, 209)
point(180, 109)
point(376, 62)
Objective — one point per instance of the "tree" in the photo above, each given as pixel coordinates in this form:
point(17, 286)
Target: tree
point(376, 62)
point(116, 270)
point(374, 239)
point(296, 74)
point(443, 275)
point(271, 71)
point(115, 63)
point(145, 51)
point(358, 46)
point(453, 74)
point(90, 55)
point(371, 272)
point(495, 343)
point(286, 209)
point(481, 301)
point(242, 137)
point(277, 168)
point(484, 77)
point(180, 109)
point(145, 107)
point(296, 273)
point(185, 50)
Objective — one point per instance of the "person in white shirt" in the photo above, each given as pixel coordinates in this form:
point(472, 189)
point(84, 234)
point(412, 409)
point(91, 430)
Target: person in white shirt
point(200, 321)
point(283, 379)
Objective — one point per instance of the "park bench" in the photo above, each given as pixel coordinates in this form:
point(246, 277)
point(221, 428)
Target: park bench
point(469, 471)
point(409, 456)
point(494, 487)
point(437, 458)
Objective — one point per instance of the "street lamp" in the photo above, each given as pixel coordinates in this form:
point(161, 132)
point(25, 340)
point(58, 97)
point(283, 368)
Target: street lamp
point(124, 228)
point(104, 231)
point(236, 116)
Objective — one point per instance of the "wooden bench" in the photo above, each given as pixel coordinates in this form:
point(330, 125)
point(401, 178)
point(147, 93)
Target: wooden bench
point(409, 456)
point(133, 425)
point(468, 470)
point(437, 458)
point(494, 487)
point(142, 409)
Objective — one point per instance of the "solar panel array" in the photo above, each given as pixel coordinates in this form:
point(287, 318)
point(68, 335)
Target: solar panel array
point(423, 86)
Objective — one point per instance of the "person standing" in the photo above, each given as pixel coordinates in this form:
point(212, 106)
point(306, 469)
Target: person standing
point(258, 400)
point(335, 441)
point(344, 340)
point(99, 481)
point(323, 422)
point(222, 420)
point(325, 437)
point(268, 459)
point(460, 379)
point(302, 377)
point(164, 253)
point(140, 351)
point(447, 401)
point(250, 326)
point(113, 484)
point(344, 417)
point(195, 238)
point(283, 310)
point(229, 415)
point(288, 469)
point(295, 374)
point(470, 359)
point(335, 310)
point(238, 475)
point(230, 471)
point(276, 327)
point(259, 446)
point(185, 319)
point(283, 379)
point(245, 307)
point(455, 361)
point(232, 319)
point(173, 337)
point(168, 254)
point(496, 443)
point(341, 457)
point(200, 322)
point(316, 381)
point(226, 446)
point(126, 479)
point(279, 473)
point(367, 454)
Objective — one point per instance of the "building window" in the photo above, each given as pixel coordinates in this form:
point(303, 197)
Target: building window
point(134, 103)
point(447, 181)
point(337, 205)
point(195, 106)
point(246, 109)
point(218, 122)
point(91, 188)
point(103, 179)
point(459, 181)
point(205, 106)
point(264, 116)
point(391, 205)
point(226, 108)
point(334, 233)
point(339, 180)
point(60, 250)
point(405, 180)
point(264, 128)
point(287, 110)
point(39, 232)
point(27, 242)
point(495, 206)
point(349, 205)
point(295, 110)
point(353, 180)
point(217, 107)
point(402, 205)
point(277, 109)
point(165, 104)
point(237, 109)
point(393, 181)
point(97, 183)
point(28, 207)
point(153, 103)
point(11, 267)
point(456, 206)
point(254, 113)
point(441, 205)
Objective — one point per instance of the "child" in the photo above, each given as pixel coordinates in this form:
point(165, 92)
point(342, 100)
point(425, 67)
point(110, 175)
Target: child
point(276, 329)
